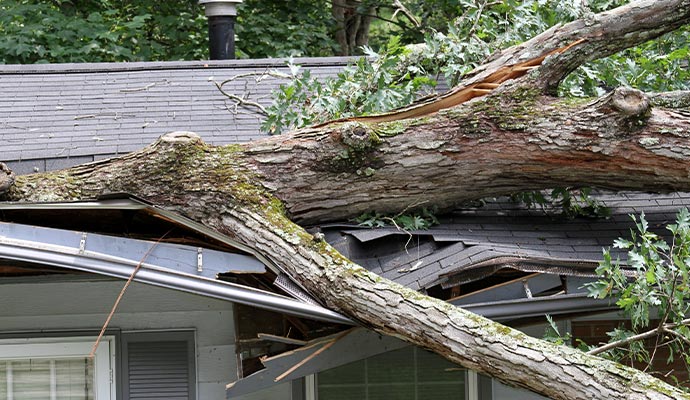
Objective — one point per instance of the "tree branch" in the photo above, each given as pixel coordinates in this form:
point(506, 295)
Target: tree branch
point(677, 335)
point(525, 142)
point(641, 336)
point(604, 34)
point(242, 101)
point(399, 7)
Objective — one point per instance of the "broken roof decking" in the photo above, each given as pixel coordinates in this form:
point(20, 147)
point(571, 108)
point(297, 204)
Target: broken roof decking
point(479, 241)
point(56, 116)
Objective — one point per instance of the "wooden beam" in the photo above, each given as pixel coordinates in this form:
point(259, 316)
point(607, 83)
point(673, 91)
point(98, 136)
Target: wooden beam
point(281, 339)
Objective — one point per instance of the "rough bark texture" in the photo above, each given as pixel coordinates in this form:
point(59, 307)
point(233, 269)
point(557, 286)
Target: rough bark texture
point(209, 185)
point(352, 25)
point(515, 138)
point(512, 140)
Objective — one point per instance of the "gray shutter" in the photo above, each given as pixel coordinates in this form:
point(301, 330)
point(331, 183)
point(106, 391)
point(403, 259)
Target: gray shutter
point(158, 366)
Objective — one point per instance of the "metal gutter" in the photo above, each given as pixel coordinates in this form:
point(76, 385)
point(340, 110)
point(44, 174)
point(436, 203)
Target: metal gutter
point(98, 263)
point(126, 201)
point(193, 260)
point(538, 306)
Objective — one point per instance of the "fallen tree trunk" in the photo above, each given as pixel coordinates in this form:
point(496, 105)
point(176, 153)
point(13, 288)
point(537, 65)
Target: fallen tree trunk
point(209, 185)
point(514, 138)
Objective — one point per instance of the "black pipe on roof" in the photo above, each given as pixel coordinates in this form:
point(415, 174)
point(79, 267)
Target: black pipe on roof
point(221, 27)
point(221, 37)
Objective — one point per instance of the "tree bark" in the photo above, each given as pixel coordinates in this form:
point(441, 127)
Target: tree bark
point(515, 138)
point(352, 25)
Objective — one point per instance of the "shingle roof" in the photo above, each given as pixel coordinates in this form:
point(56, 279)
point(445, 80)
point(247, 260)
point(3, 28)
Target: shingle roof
point(55, 116)
point(477, 241)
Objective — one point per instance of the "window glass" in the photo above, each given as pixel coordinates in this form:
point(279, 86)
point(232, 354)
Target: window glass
point(352, 373)
point(405, 374)
point(342, 392)
point(55, 369)
point(46, 378)
point(393, 367)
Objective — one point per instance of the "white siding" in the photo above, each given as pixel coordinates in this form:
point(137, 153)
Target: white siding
point(82, 305)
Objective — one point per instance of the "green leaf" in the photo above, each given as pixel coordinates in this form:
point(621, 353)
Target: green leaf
point(621, 243)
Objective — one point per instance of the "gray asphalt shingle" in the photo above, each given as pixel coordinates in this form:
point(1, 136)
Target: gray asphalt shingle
point(474, 236)
point(75, 112)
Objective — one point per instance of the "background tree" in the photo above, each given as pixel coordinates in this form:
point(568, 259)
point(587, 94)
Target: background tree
point(101, 31)
point(284, 29)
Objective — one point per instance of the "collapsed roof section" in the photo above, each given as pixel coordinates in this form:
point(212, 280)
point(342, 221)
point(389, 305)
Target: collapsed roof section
point(504, 260)
point(117, 235)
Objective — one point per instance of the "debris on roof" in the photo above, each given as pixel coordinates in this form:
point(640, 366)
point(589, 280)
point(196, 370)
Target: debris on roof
point(502, 251)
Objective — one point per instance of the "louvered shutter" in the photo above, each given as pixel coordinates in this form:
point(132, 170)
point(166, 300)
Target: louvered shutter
point(158, 366)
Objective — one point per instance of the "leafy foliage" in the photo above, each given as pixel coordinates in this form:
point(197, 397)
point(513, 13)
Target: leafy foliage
point(379, 83)
point(554, 335)
point(419, 220)
point(284, 29)
point(394, 75)
point(571, 202)
point(100, 30)
point(658, 65)
point(656, 282)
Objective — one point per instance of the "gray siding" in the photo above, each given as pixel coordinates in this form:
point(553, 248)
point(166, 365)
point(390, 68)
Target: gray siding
point(84, 305)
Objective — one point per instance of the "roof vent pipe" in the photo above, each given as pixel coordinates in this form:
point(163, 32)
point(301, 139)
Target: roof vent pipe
point(221, 27)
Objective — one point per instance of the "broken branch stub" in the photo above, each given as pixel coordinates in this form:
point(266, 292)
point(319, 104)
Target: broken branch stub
point(6, 178)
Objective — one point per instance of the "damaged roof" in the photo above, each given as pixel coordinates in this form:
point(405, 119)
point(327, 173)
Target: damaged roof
point(118, 236)
point(56, 116)
point(474, 243)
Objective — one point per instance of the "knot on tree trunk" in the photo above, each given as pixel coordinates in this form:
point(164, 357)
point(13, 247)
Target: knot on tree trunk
point(630, 102)
point(358, 136)
point(180, 137)
point(6, 178)
point(629, 108)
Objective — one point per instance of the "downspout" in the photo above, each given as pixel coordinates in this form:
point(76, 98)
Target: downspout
point(221, 27)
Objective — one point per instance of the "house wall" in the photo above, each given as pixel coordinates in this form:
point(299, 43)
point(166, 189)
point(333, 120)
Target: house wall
point(43, 305)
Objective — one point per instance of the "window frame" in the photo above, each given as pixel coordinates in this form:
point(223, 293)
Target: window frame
point(69, 347)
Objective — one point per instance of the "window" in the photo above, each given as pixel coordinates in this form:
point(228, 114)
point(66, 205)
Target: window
point(405, 374)
point(56, 369)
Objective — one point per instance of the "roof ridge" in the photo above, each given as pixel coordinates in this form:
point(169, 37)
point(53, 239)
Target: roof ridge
point(70, 68)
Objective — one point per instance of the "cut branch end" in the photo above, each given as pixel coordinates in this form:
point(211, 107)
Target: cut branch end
point(6, 178)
